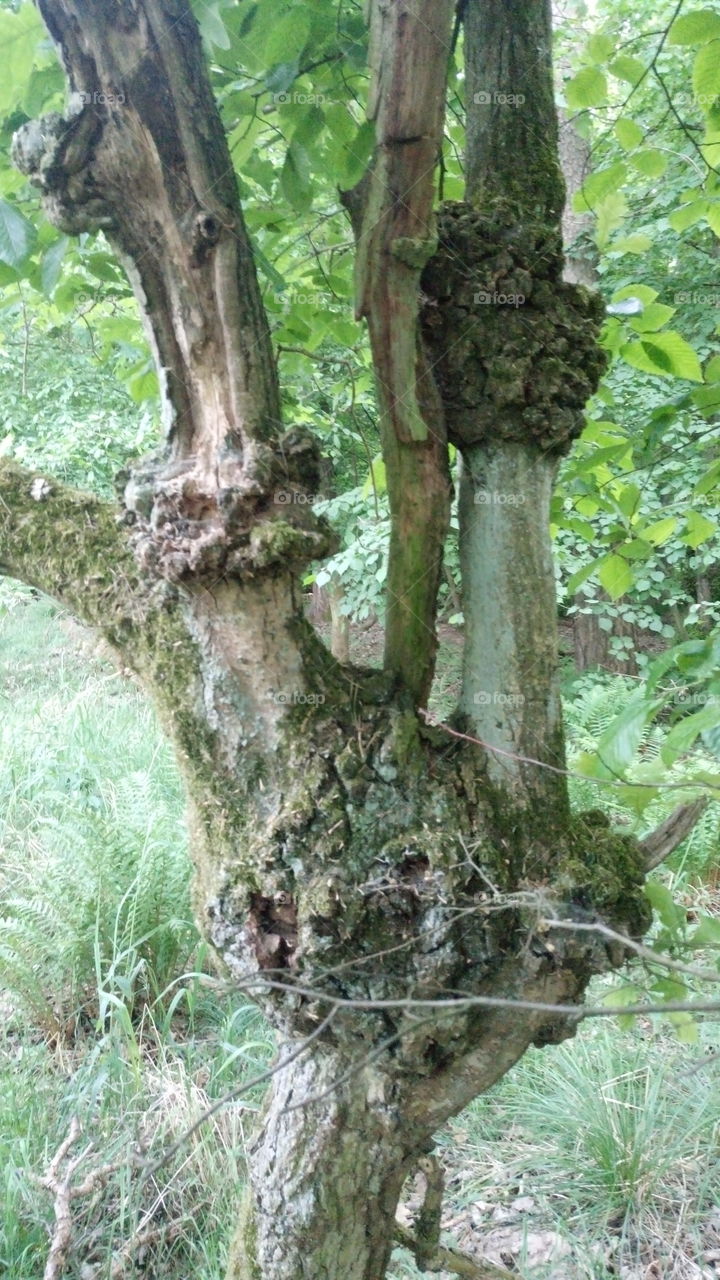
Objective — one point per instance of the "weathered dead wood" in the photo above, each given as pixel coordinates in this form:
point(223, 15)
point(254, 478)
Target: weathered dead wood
point(660, 843)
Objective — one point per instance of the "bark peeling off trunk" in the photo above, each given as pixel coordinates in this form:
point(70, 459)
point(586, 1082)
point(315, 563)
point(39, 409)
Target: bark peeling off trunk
point(141, 153)
point(394, 225)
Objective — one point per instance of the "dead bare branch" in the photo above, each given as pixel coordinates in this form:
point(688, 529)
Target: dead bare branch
point(660, 843)
point(445, 1259)
point(59, 1182)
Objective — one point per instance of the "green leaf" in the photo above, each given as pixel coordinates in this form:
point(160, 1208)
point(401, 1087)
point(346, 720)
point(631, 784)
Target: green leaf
point(599, 185)
point(599, 47)
point(706, 74)
point(637, 243)
point(623, 997)
point(707, 399)
point(357, 153)
point(615, 575)
point(629, 69)
point(22, 35)
point(141, 381)
point(649, 161)
point(619, 742)
point(686, 1027)
point(51, 264)
point(688, 214)
point(712, 217)
point(709, 480)
point(581, 575)
point(699, 529)
point(45, 88)
point(636, 798)
point(17, 235)
point(662, 901)
point(653, 317)
point(627, 498)
point(660, 531)
point(281, 76)
point(587, 89)
point(695, 28)
point(628, 133)
point(665, 353)
point(288, 37)
point(707, 933)
point(609, 214)
point(377, 479)
point(295, 179)
point(710, 146)
point(212, 27)
point(683, 734)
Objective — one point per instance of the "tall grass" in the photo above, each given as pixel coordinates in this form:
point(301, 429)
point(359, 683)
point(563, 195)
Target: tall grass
point(105, 1013)
point(93, 863)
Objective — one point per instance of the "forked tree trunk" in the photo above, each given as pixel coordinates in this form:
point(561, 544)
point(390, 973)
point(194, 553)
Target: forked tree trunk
point(349, 858)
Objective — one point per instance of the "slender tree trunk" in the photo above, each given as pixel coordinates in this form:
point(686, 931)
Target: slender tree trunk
point(510, 694)
point(516, 361)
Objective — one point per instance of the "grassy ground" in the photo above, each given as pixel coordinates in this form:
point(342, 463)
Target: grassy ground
point(594, 1159)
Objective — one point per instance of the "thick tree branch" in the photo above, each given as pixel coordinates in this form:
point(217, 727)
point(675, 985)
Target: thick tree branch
point(142, 154)
point(68, 544)
point(129, 157)
point(392, 213)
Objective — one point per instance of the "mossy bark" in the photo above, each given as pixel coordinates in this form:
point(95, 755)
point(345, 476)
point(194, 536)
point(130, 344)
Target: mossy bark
point(514, 389)
point(350, 860)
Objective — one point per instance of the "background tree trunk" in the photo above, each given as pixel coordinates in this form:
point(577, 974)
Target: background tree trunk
point(591, 642)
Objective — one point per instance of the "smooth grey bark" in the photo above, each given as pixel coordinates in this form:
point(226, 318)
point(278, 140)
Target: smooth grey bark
point(510, 695)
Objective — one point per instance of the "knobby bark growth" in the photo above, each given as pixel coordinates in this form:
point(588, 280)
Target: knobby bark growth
point(344, 849)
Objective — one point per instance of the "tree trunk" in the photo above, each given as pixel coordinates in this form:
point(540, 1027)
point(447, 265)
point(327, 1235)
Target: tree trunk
point(592, 642)
point(325, 1177)
point(510, 691)
point(380, 887)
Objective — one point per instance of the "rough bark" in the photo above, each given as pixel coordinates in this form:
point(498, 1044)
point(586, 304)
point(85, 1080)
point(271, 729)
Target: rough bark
point(348, 858)
point(326, 1177)
point(392, 214)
